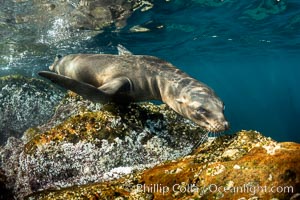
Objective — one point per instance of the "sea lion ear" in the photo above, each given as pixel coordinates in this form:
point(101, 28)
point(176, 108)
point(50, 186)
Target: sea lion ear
point(58, 57)
point(181, 100)
point(122, 51)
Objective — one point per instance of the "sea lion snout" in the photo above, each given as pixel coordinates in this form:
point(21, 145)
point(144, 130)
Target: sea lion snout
point(216, 126)
point(226, 125)
point(209, 121)
point(223, 126)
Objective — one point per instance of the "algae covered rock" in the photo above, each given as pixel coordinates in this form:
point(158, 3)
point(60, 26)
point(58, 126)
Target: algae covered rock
point(89, 143)
point(24, 103)
point(245, 165)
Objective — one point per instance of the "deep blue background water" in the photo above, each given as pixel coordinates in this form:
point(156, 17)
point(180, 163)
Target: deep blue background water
point(251, 60)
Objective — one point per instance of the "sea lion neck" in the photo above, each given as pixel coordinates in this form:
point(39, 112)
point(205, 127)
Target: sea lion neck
point(173, 87)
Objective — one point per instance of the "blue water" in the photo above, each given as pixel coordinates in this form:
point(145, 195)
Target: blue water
point(248, 52)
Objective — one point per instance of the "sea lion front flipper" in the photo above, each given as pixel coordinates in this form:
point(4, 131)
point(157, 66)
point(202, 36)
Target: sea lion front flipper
point(87, 91)
point(120, 84)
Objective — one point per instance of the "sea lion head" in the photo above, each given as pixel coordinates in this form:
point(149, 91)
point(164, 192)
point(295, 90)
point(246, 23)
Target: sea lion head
point(55, 63)
point(202, 106)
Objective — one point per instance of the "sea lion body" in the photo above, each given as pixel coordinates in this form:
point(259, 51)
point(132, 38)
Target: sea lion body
point(127, 78)
point(98, 69)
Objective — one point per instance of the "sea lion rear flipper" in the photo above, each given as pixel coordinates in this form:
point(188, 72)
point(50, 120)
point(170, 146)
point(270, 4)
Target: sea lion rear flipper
point(85, 90)
point(120, 84)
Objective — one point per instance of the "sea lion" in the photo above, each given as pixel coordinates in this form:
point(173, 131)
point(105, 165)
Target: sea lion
point(126, 78)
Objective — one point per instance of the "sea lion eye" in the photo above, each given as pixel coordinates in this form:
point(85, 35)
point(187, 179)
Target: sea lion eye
point(201, 111)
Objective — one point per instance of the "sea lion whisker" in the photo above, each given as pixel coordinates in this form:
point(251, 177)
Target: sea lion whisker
point(203, 138)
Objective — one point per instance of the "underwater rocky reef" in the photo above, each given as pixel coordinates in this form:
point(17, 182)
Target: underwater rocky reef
point(141, 151)
point(56, 145)
point(25, 103)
